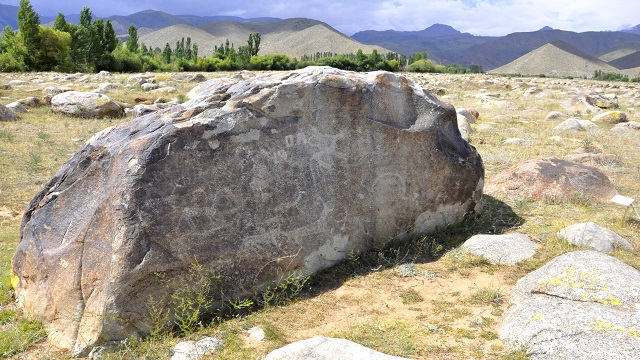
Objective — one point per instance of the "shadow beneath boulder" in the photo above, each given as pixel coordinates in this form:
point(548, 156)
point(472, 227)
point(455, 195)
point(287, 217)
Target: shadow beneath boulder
point(496, 218)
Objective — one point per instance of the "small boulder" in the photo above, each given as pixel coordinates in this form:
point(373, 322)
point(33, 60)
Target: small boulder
point(508, 249)
point(611, 117)
point(594, 236)
point(464, 127)
point(322, 348)
point(514, 141)
point(626, 127)
point(55, 90)
point(467, 114)
point(31, 102)
point(18, 82)
point(197, 78)
point(149, 86)
point(17, 107)
point(570, 124)
point(589, 103)
point(7, 114)
point(556, 115)
point(104, 74)
point(193, 350)
point(550, 178)
point(86, 105)
point(257, 334)
point(5, 87)
point(580, 305)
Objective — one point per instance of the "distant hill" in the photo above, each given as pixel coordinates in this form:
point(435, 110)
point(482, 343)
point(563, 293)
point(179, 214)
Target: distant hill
point(293, 37)
point(8, 16)
point(618, 53)
point(633, 30)
point(627, 62)
point(506, 49)
point(556, 58)
point(443, 43)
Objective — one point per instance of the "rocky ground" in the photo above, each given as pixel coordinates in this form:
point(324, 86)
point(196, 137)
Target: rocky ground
point(555, 151)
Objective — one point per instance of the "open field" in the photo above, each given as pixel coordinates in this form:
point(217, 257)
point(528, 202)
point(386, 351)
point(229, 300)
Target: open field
point(421, 300)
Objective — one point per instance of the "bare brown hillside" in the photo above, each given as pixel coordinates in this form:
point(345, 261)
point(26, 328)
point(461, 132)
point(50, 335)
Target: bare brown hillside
point(293, 37)
point(556, 59)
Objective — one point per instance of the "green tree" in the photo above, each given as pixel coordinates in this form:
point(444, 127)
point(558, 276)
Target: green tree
point(60, 23)
point(54, 50)
point(85, 17)
point(12, 52)
point(167, 53)
point(28, 26)
point(254, 43)
point(132, 41)
point(110, 40)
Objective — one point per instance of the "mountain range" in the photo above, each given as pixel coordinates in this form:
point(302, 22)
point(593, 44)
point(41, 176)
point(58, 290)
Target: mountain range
point(442, 43)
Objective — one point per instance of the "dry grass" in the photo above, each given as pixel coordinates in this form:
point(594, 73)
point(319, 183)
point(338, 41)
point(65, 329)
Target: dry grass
point(442, 303)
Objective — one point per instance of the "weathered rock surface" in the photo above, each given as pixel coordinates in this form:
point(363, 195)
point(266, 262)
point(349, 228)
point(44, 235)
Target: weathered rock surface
point(283, 174)
point(626, 127)
point(556, 115)
point(594, 236)
point(507, 249)
point(7, 114)
point(17, 107)
point(322, 348)
point(580, 305)
point(589, 103)
point(194, 350)
point(550, 178)
point(570, 124)
point(592, 159)
point(611, 117)
point(86, 105)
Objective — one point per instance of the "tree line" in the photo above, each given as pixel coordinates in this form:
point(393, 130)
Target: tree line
point(93, 46)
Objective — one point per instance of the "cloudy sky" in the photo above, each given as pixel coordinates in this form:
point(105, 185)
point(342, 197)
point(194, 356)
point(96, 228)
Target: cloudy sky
point(480, 17)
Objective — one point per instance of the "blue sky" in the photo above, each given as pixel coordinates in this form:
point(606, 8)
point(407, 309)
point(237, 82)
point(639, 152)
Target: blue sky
point(480, 17)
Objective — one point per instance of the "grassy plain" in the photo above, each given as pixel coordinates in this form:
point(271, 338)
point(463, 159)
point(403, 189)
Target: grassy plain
point(421, 300)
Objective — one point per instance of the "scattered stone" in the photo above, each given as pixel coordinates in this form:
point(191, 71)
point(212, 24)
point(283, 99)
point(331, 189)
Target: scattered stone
point(149, 86)
point(594, 236)
point(570, 124)
point(508, 249)
point(534, 91)
point(257, 334)
point(194, 350)
point(589, 103)
point(109, 86)
point(308, 165)
point(17, 107)
point(104, 74)
point(143, 109)
point(556, 115)
point(464, 127)
point(611, 117)
point(86, 105)
point(592, 159)
point(322, 348)
point(5, 87)
point(407, 270)
point(515, 141)
point(7, 114)
point(55, 90)
point(626, 126)
point(467, 114)
point(31, 102)
point(167, 89)
point(580, 305)
point(18, 82)
point(550, 178)
point(197, 78)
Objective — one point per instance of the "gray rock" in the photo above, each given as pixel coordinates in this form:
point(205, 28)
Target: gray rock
point(580, 305)
point(7, 114)
point(211, 87)
point(257, 334)
point(194, 350)
point(104, 74)
point(611, 117)
point(594, 236)
point(141, 109)
point(589, 103)
point(515, 141)
point(570, 124)
point(17, 107)
point(467, 114)
point(508, 249)
point(278, 176)
point(556, 115)
point(31, 102)
point(550, 178)
point(630, 126)
point(55, 90)
point(5, 87)
point(149, 86)
point(322, 348)
point(86, 105)
point(166, 89)
point(464, 127)
point(18, 82)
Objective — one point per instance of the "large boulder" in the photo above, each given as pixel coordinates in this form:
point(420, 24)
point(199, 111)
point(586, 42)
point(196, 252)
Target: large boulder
point(581, 305)
point(589, 103)
point(86, 105)
point(551, 179)
point(594, 236)
point(6, 114)
point(507, 249)
point(259, 180)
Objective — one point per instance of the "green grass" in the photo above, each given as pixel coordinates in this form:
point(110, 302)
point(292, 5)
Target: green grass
point(16, 337)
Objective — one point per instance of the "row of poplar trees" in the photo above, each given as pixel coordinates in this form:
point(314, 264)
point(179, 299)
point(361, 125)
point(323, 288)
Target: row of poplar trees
point(88, 46)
